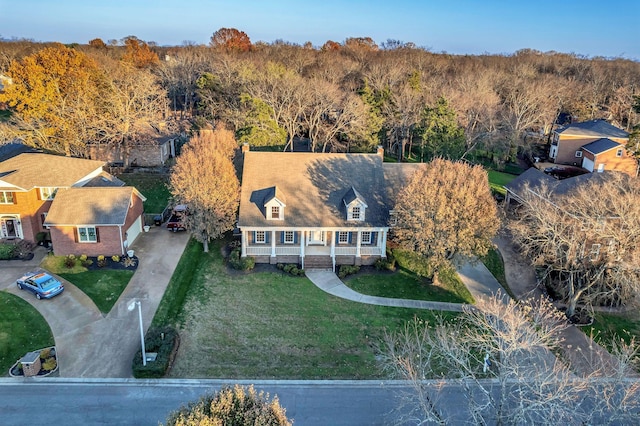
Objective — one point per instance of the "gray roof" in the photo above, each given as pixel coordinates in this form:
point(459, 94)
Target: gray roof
point(601, 145)
point(593, 128)
point(396, 176)
point(91, 206)
point(352, 195)
point(32, 170)
point(104, 179)
point(13, 148)
point(314, 186)
point(535, 178)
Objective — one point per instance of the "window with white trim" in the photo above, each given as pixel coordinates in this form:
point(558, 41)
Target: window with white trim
point(355, 213)
point(275, 212)
point(261, 237)
point(6, 197)
point(343, 237)
point(578, 154)
point(87, 234)
point(48, 193)
point(365, 237)
point(288, 237)
point(619, 153)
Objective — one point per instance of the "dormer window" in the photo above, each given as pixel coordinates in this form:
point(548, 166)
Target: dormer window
point(275, 212)
point(274, 204)
point(48, 193)
point(355, 213)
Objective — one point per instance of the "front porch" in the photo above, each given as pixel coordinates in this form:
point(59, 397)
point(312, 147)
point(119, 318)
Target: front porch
point(335, 246)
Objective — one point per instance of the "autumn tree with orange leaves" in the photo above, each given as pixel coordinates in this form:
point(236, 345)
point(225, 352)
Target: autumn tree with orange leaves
point(139, 53)
point(231, 40)
point(204, 179)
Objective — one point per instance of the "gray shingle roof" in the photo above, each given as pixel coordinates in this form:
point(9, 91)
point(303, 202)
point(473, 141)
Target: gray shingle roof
point(91, 206)
point(314, 186)
point(601, 145)
point(31, 170)
point(593, 128)
point(535, 178)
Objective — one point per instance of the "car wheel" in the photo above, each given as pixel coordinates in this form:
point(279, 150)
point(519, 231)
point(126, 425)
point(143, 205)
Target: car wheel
point(20, 286)
point(38, 296)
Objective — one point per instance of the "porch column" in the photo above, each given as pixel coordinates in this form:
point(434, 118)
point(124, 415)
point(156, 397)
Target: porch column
point(302, 243)
point(273, 243)
point(383, 243)
point(358, 243)
point(243, 242)
point(333, 249)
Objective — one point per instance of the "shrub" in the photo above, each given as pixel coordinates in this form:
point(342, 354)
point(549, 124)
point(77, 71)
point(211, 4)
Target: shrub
point(45, 353)
point(232, 406)
point(288, 267)
point(280, 266)
point(413, 262)
point(386, 264)
point(70, 261)
point(241, 263)
point(7, 251)
point(102, 261)
point(291, 268)
point(40, 237)
point(164, 341)
point(83, 258)
point(50, 364)
point(86, 263)
point(348, 270)
point(115, 258)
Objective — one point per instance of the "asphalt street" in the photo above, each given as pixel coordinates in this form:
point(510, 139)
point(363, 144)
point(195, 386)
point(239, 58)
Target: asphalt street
point(147, 402)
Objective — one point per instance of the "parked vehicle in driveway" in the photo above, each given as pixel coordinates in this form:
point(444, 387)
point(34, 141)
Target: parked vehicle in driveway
point(176, 221)
point(43, 285)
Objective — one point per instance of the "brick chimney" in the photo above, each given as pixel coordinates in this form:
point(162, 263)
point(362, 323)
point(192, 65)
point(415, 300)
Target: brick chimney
point(245, 147)
point(380, 151)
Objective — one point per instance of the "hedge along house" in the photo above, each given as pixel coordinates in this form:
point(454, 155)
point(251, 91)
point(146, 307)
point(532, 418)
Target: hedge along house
point(316, 209)
point(95, 221)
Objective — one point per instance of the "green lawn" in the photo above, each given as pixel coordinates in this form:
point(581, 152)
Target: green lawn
point(497, 180)
point(269, 324)
point(22, 329)
point(494, 263)
point(404, 284)
point(103, 286)
point(607, 327)
point(153, 186)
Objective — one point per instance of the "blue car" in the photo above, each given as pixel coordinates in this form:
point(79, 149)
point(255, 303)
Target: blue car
point(43, 285)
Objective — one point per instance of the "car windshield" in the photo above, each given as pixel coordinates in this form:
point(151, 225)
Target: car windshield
point(49, 283)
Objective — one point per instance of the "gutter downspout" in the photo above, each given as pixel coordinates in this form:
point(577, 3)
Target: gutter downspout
point(121, 242)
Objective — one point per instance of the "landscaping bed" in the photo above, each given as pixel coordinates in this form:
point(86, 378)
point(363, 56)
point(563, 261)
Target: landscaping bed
point(49, 364)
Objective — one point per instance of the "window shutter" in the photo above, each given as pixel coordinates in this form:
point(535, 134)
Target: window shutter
point(374, 238)
point(336, 234)
point(97, 235)
point(295, 237)
point(38, 193)
point(281, 237)
point(267, 235)
point(75, 234)
point(255, 237)
point(13, 198)
point(349, 237)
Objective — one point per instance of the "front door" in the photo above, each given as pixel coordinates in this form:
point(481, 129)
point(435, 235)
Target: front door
point(600, 167)
point(9, 228)
point(316, 237)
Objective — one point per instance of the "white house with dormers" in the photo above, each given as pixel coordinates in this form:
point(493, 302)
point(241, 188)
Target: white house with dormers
point(318, 210)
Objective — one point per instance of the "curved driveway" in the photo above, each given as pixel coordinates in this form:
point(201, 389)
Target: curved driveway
point(90, 344)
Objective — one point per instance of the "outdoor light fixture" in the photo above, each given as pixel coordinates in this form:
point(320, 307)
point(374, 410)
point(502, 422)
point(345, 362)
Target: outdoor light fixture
point(131, 307)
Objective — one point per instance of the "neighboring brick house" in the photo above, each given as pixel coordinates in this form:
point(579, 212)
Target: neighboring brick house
point(95, 220)
point(316, 209)
point(150, 152)
point(593, 145)
point(30, 183)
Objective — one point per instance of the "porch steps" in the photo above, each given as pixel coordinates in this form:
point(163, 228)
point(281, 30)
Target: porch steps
point(318, 262)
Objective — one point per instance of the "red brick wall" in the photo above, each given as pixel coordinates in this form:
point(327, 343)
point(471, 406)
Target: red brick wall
point(64, 242)
point(133, 213)
point(625, 164)
point(27, 205)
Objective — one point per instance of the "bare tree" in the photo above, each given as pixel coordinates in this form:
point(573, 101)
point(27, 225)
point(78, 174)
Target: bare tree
point(205, 180)
point(588, 246)
point(500, 355)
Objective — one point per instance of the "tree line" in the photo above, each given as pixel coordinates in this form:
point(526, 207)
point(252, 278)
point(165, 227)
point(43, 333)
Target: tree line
point(348, 96)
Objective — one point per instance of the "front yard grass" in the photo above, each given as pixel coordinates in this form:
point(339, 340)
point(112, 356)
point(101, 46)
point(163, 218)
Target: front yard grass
point(153, 186)
point(103, 286)
point(22, 329)
point(270, 325)
point(494, 263)
point(610, 326)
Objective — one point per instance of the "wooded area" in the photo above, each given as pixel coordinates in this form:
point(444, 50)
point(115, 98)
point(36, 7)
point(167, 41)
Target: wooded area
point(348, 96)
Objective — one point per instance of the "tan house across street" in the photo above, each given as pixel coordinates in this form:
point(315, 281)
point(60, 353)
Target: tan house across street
point(317, 209)
point(83, 199)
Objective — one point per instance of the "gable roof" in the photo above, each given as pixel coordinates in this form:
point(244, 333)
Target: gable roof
point(91, 206)
point(273, 194)
point(314, 185)
point(534, 178)
point(353, 195)
point(396, 177)
point(593, 128)
point(601, 145)
point(30, 170)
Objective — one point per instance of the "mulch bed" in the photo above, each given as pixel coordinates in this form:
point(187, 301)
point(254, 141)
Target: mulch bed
point(110, 264)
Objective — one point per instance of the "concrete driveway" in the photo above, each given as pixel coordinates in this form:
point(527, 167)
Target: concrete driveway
point(90, 344)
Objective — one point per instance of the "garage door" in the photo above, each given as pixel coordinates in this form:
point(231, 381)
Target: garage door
point(587, 164)
point(134, 230)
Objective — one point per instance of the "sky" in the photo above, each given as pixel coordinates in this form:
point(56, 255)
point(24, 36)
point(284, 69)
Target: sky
point(583, 27)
